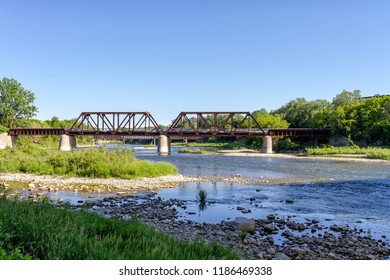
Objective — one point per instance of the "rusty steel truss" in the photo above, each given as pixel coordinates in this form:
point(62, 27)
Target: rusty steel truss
point(215, 124)
point(187, 125)
point(115, 123)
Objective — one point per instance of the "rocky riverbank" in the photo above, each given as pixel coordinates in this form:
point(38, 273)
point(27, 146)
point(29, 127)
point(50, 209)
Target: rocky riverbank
point(268, 237)
point(252, 239)
point(43, 184)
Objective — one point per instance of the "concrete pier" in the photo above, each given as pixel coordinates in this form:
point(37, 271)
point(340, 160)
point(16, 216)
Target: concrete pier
point(7, 141)
point(164, 145)
point(267, 145)
point(67, 142)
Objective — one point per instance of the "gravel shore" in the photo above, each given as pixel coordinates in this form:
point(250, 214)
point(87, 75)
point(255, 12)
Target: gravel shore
point(251, 238)
point(52, 183)
point(344, 158)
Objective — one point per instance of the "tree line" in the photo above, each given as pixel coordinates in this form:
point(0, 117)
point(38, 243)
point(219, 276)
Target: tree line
point(362, 120)
point(365, 121)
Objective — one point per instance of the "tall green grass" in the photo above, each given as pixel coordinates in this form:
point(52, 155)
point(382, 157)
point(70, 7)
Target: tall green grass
point(370, 152)
point(48, 233)
point(93, 163)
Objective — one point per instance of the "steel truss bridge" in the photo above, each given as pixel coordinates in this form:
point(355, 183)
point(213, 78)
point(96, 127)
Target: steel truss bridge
point(187, 125)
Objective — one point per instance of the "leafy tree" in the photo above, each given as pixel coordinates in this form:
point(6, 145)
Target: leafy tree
point(16, 103)
point(344, 114)
point(267, 120)
point(300, 113)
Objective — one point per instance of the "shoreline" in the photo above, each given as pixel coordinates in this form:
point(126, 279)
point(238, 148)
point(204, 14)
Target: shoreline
point(253, 153)
point(43, 183)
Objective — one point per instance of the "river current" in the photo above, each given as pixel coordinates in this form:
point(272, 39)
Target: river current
point(334, 192)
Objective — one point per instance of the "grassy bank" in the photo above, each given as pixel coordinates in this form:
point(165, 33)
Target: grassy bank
point(93, 163)
point(45, 232)
point(217, 145)
point(370, 152)
point(195, 151)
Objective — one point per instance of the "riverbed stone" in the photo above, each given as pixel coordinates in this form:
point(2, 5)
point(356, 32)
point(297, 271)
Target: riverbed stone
point(281, 256)
point(244, 224)
point(271, 217)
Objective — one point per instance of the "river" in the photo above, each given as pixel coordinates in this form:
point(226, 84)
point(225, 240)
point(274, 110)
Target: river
point(334, 192)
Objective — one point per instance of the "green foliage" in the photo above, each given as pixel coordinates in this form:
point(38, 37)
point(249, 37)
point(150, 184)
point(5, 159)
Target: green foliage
point(266, 120)
point(286, 145)
point(202, 196)
point(7, 249)
point(48, 233)
point(3, 129)
point(370, 152)
point(361, 120)
point(194, 151)
point(300, 113)
point(93, 163)
point(330, 150)
point(16, 103)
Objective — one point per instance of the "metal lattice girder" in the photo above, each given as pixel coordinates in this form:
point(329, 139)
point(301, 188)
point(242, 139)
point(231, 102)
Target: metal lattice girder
point(111, 123)
point(36, 131)
point(215, 124)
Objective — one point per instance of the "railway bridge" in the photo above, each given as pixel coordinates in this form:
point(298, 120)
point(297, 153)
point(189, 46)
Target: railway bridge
point(142, 125)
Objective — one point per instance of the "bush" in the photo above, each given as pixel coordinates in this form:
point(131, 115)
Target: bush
point(93, 163)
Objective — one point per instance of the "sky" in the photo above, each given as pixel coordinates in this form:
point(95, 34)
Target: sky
point(169, 56)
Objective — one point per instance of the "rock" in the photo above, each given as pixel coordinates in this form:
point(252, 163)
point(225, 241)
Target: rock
point(244, 224)
point(32, 186)
point(246, 211)
point(335, 228)
point(271, 251)
point(60, 201)
point(269, 228)
point(281, 256)
point(271, 217)
point(239, 208)
point(287, 234)
point(191, 213)
point(297, 251)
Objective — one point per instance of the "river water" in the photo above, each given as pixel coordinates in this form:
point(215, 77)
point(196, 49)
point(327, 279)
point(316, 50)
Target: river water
point(334, 192)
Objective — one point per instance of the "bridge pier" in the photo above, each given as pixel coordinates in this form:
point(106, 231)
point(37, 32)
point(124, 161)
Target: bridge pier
point(267, 145)
point(67, 142)
point(7, 140)
point(164, 145)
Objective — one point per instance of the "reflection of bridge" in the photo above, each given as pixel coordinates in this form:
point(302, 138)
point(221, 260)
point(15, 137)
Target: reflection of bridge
point(188, 125)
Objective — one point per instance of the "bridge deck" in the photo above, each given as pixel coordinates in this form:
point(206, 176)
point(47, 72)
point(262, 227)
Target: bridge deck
point(186, 125)
point(287, 132)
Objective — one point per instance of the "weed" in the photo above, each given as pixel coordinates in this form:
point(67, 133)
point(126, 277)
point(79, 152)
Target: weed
point(48, 233)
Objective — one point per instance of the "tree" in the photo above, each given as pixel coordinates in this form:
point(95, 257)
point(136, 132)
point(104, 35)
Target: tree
point(300, 113)
point(344, 113)
point(16, 103)
point(266, 120)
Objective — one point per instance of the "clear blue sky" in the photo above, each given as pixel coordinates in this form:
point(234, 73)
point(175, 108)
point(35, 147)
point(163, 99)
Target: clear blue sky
point(171, 56)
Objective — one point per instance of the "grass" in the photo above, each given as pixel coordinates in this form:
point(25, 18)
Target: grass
point(224, 145)
point(92, 163)
point(45, 232)
point(194, 151)
point(370, 152)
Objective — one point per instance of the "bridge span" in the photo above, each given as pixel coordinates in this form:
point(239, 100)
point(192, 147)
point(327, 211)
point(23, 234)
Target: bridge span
point(187, 125)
